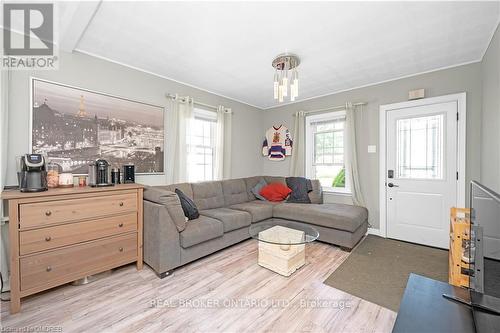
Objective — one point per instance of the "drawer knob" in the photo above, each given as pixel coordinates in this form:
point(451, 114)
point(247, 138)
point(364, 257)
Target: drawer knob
point(48, 213)
point(48, 238)
point(120, 249)
point(48, 269)
point(120, 225)
point(121, 203)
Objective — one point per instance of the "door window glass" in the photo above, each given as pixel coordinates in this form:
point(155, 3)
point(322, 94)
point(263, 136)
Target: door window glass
point(420, 147)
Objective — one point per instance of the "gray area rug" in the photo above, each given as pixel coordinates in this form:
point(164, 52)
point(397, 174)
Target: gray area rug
point(377, 269)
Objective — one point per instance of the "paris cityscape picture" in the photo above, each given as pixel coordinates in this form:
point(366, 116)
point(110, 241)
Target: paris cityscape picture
point(73, 127)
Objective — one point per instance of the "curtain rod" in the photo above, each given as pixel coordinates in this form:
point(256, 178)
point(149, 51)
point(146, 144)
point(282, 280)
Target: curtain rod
point(338, 107)
point(183, 99)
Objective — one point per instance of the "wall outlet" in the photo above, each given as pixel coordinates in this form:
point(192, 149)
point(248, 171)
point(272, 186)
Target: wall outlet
point(372, 149)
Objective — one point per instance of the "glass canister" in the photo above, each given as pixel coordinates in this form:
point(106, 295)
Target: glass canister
point(66, 179)
point(53, 171)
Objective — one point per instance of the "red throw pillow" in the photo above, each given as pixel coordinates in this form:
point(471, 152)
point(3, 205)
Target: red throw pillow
point(275, 192)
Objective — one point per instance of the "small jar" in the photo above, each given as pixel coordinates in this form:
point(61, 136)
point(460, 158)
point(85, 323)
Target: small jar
point(66, 179)
point(53, 171)
point(82, 181)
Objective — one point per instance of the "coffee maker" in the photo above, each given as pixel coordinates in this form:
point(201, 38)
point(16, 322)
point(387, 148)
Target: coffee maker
point(31, 173)
point(100, 174)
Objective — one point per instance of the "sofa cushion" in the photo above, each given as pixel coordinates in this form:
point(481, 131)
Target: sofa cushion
point(338, 216)
point(208, 195)
point(231, 219)
point(188, 206)
point(171, 202)
point(250, 183)
point(201, 230)
point(257, 188)
point(300, 187)
point(316, 195)
point(275, 192)
point(275, 179)
point(260, 210)
point(184, 187)
point(235, 191)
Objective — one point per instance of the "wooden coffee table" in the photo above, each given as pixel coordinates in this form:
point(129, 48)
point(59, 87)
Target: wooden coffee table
point(282, 244)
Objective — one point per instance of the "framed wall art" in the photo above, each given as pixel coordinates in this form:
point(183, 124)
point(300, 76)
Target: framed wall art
point(75, 126)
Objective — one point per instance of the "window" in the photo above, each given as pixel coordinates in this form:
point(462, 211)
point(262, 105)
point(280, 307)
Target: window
point(325, 150)
point(203, 146)
point(419, 147)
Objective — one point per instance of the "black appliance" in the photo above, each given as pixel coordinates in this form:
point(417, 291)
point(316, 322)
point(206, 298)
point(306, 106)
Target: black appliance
point(115, 176)
point(100, 174)
point(128, 173)
point(31, 173)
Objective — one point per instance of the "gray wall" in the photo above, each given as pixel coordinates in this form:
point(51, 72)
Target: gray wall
point(250, 123)
point(490, 134)
point(455, 80)
point(92, 73)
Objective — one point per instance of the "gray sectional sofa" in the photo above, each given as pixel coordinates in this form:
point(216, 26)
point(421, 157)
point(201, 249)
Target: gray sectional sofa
point(227, 208)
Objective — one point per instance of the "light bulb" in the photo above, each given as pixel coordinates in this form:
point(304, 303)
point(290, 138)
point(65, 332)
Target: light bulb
point(280, 93)
point(284, 84)
point(296, 82)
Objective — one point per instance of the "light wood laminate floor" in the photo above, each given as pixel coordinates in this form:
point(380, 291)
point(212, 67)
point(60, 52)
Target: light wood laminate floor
point(226, 291)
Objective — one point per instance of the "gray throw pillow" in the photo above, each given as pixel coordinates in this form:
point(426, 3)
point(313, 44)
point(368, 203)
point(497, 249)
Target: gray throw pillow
point(256, 189)
point(188, 206)
point(300, 188)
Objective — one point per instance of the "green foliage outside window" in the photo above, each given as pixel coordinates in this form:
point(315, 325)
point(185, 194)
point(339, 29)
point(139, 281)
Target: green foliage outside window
point(339, 180)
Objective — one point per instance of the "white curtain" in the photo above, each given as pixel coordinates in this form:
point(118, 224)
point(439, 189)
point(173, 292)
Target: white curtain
point(351, 162)
point(298, 162)
point(179, 148)
point(222, 162)
point(4, 119)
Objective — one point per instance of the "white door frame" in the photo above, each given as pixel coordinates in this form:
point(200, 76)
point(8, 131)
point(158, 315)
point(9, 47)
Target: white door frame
point(460, 98)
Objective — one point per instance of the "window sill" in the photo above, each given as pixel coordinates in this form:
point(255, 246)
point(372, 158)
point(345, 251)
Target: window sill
point(336, 192)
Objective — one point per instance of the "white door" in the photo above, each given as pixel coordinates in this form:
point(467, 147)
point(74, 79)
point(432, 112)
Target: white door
point(421, 172)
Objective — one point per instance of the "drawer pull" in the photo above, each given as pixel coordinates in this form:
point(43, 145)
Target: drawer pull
point(120, 225)
point(120, 249)
point(121, 203)
point(48, 213)
point(48, 269)
point(48, 238)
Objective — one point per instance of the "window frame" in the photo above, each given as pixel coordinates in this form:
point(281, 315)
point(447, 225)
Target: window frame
point(310, 148)
point(207, 116)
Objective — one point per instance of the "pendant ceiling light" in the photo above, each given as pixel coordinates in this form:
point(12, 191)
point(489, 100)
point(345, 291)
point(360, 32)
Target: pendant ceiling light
point(286, 77)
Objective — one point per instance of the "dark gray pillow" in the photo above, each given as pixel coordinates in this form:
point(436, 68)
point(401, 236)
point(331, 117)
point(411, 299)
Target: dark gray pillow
point(300, 186)
point(256, 189)
point(188, 207)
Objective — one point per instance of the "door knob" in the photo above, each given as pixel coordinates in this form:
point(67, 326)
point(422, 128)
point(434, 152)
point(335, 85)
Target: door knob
point(392, 185)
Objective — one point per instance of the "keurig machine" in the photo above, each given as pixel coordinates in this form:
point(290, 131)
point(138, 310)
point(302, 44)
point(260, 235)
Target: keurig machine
point(31, 173)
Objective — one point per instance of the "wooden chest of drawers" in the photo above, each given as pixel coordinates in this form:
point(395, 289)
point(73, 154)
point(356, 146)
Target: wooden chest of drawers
point(63, 235)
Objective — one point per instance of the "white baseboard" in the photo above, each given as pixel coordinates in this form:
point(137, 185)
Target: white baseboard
point(372, 231)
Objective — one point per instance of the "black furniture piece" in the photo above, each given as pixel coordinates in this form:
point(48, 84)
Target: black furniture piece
point(424, 309)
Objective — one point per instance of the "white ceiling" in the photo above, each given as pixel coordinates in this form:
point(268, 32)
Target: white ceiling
point(227, 47)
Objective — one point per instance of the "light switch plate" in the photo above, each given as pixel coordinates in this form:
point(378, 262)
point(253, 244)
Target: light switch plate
point(372, 149)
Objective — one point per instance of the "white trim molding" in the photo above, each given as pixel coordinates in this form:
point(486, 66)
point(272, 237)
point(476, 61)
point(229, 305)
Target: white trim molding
point(373, 231)
point(460, 99)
